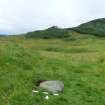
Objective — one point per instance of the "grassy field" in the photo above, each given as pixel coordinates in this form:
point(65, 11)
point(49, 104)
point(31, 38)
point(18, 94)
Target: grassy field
point(78, 62)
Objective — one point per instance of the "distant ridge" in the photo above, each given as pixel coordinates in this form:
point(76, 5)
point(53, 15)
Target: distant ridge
point(52, 32)
point(95, 27)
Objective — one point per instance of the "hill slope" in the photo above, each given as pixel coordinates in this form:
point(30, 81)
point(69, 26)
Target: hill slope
point(52, 32)
point(95, 27)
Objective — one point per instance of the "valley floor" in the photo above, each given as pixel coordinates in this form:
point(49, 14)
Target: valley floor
point(79, 63)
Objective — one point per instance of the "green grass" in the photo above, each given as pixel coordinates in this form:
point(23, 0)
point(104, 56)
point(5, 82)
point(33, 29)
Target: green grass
point(80, 64)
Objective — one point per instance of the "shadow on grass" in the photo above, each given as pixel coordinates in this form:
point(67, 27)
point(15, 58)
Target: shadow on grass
point(71, 50)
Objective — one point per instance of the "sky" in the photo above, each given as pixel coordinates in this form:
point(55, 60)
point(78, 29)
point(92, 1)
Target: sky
point(21, 16)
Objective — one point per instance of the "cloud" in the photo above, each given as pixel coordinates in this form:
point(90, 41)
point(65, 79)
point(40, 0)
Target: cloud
point(19, 16)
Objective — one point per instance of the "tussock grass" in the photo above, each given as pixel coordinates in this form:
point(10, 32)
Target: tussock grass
point(81, 66)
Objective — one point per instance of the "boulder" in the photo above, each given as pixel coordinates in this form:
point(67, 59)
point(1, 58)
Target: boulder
point(52, 86)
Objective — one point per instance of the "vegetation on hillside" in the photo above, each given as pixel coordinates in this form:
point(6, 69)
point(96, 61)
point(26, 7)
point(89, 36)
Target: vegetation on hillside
point(53, 54)
point(95, 27)
point(52, 32)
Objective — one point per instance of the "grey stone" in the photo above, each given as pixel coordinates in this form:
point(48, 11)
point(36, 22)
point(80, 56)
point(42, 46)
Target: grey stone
point(52, 86)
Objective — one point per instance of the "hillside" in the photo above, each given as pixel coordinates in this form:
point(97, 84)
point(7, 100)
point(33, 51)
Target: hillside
point(52, 32)
point(94, 27)
point(78, 60)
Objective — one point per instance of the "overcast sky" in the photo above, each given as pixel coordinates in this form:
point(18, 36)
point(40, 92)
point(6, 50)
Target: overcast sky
point(19, 16)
